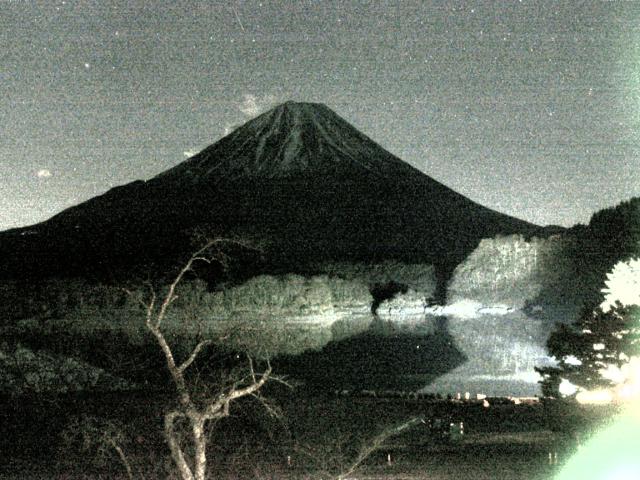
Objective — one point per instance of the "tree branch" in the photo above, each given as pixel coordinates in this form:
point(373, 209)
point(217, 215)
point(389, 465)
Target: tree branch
point(271, 409)
point(170, 297)
point(184, 365)
point(176, 374)
point(194, 412)
point(148, 307)
point(249, 389)
point(123, 457)
point(252, 371)
point(281, 380)
point(374, 444)
point(221, 406)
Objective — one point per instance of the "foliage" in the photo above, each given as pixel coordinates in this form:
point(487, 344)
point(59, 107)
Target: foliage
point(616, 230)
point(560, 271)
point(23, 370)
point(596, 341)
point(508, 269)
point(268, 315)
point(418, 277)
point(593, 349)
point(623, 284)
point(265, 315)
point(53, 299)
point(612, 236)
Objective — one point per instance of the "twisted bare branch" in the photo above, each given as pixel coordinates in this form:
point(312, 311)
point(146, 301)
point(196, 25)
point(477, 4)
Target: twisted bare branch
point(194, 411)
point(194, 354)
point(376, 443)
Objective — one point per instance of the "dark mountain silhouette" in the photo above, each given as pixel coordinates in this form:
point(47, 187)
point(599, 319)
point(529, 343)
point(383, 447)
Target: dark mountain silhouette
point(298, 178)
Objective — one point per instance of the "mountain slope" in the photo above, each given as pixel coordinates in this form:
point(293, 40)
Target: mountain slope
point(291, 140)
point(298, 178)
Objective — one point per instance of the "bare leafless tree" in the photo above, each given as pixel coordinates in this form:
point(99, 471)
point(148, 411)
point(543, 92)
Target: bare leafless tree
point(333, 459)
point(376, 443)
point(194, 407)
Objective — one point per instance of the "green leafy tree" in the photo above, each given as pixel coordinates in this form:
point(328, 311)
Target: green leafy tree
point(598, 340)
point(591, 351)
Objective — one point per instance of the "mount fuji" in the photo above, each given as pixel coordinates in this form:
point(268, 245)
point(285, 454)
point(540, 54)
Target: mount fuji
point(298, 178)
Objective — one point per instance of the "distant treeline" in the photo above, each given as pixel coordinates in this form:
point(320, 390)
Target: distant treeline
point(566, 270)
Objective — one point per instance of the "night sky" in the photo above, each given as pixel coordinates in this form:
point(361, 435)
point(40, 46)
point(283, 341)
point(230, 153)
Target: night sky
point(530, 108)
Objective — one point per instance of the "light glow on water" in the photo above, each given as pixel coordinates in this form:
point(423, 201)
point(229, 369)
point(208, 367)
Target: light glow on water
point(468, 309)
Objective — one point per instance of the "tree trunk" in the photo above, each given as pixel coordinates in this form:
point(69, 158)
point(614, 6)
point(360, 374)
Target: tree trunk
point(200, 444)
point(174, 446)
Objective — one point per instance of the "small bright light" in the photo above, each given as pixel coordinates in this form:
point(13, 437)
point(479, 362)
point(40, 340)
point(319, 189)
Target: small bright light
point(595, 397)
point(567, 388)
point(613, 373)
point(598, 346)
point(572, 360)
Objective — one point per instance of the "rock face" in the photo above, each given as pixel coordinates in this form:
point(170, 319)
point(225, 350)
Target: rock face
point(510, 270)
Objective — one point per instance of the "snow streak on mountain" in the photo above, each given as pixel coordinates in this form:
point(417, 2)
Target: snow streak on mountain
point(291, 140)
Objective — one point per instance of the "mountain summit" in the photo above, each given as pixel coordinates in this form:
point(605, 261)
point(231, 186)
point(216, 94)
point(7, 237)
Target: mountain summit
point(299, 179)
point(291, 140)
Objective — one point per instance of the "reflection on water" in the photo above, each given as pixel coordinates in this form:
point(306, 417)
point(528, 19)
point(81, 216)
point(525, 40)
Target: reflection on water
point(501, 350)
point(376, 360)
point(493, 354)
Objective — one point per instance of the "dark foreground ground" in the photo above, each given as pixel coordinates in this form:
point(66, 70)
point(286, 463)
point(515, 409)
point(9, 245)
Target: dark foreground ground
point(314, 437)
point(488, 461)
